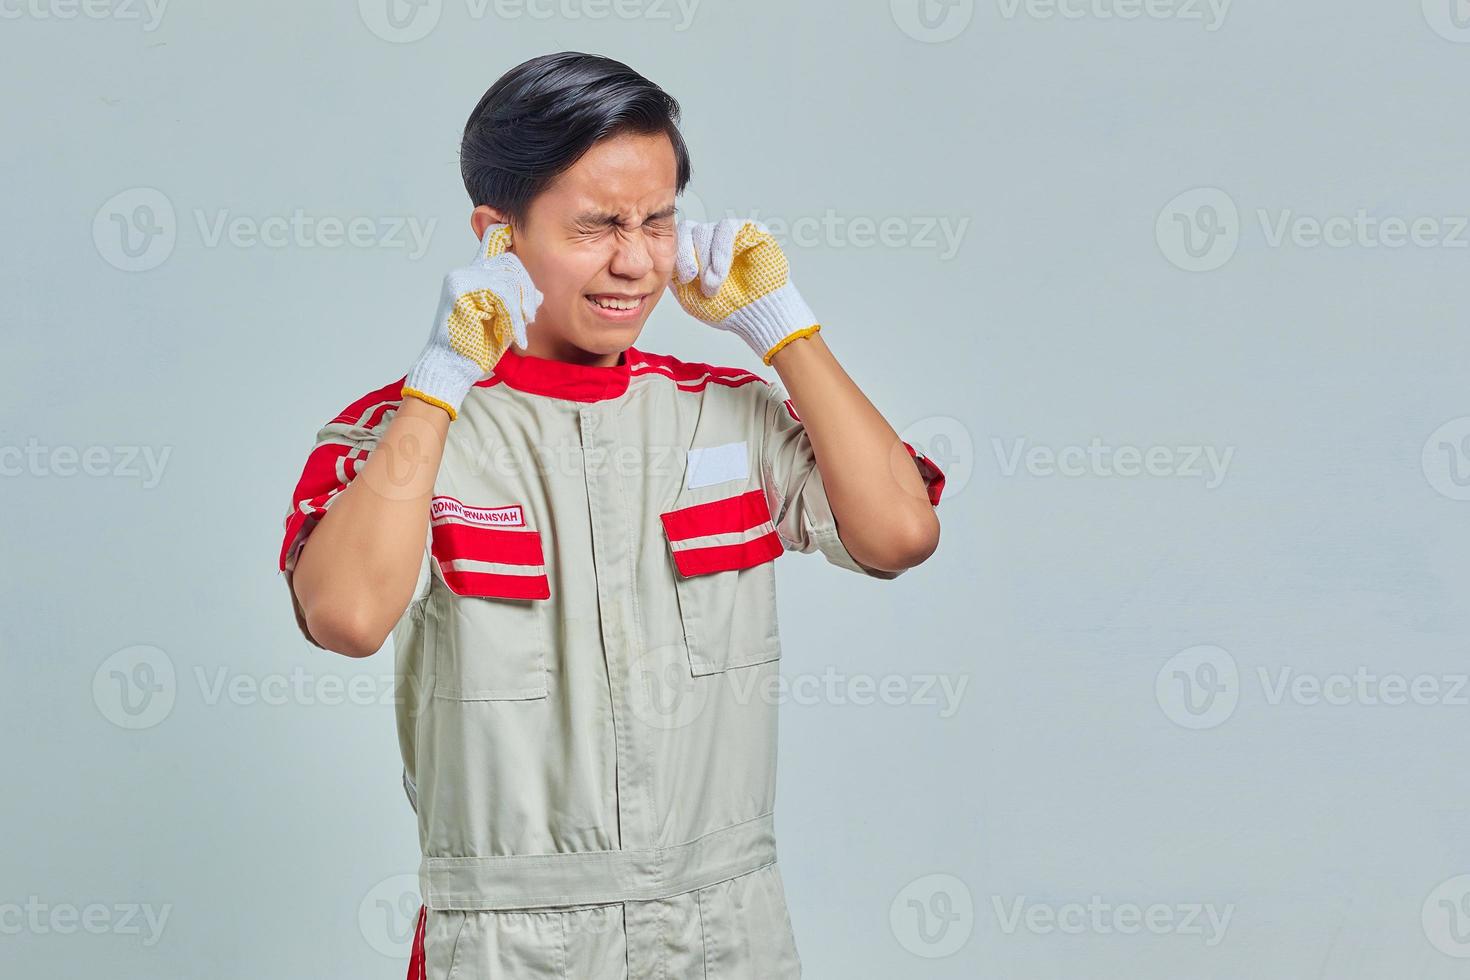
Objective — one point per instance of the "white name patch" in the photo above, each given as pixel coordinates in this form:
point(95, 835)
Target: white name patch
point(511, 516)
point(709, 465)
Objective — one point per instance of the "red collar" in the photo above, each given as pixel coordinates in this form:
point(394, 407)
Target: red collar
point(563, 379)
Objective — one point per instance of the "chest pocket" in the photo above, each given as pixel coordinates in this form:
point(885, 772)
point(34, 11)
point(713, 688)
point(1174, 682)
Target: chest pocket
point(723, 547)
point(490, 635)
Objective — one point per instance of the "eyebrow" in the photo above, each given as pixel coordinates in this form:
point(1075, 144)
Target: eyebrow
point(610, 218)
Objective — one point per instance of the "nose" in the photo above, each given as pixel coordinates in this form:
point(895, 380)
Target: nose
point(631, 258)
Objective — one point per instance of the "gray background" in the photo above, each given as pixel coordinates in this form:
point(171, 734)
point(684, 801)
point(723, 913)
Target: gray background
point(1097, 755)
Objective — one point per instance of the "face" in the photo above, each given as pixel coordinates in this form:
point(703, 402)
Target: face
point(603, 230)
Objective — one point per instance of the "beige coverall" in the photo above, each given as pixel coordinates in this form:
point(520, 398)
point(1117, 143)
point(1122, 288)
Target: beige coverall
point(586, 668)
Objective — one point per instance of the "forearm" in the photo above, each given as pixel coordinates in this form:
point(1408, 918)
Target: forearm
point(876, 492)
point(357, 570)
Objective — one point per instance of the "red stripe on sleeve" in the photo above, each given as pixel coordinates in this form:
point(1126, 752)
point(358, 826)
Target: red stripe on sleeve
point(322, 478)
point(933, 476)
point(318, 484)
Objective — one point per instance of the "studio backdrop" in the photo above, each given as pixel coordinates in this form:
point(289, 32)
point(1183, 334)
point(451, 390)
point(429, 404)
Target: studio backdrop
point(1173, 291)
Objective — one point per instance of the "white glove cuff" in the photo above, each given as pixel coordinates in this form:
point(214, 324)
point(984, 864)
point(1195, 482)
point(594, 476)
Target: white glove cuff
point(771, 319)
point(442, 377)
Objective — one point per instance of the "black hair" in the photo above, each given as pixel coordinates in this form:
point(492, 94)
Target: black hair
point(540, 117)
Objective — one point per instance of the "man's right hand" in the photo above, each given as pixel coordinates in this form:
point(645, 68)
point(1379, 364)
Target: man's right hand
point(483, 307)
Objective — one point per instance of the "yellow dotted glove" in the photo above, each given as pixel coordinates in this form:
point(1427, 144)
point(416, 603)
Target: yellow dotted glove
point(483, 307)
point(732, 275)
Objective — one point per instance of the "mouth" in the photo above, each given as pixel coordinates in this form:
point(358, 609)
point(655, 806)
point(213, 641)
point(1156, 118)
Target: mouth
point(615, 306)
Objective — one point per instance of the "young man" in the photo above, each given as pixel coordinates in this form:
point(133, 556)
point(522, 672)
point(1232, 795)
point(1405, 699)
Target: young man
point(573, 542)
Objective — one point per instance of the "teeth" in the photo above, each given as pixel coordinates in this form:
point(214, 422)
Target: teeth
point(616, 304)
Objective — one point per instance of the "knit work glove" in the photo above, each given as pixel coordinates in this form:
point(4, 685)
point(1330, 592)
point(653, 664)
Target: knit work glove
point(732, 275)
point(483, 307)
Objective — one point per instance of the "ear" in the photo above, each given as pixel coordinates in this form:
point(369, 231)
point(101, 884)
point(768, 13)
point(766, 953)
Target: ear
point(483, 217)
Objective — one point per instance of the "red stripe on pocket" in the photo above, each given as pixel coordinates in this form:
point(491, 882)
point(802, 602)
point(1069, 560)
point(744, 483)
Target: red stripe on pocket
point(487, 544)
point(500, 586)
point(727, 557)
point(723, 516)
point(469, 542)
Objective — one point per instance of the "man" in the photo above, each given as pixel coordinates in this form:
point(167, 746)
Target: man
point(573, 543)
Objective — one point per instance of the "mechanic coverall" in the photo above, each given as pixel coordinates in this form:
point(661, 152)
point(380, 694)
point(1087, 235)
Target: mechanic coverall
point(586, 667)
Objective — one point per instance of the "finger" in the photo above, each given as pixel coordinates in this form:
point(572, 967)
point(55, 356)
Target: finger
point(686, 257)
point(495, 241)
point(506, 274)
point(721, 254)
point(520, 317)
point(531, 297)
point(750, 235)
point(537, 298)
point(763, 236)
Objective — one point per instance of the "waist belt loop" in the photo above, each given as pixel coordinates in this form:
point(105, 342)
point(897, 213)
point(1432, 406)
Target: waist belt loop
point(526, 881)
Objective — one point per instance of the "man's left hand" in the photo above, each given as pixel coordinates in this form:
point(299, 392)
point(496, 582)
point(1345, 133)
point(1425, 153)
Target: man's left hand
point(732, 275)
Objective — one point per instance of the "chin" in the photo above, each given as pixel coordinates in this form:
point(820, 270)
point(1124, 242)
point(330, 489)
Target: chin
point(607, 339)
